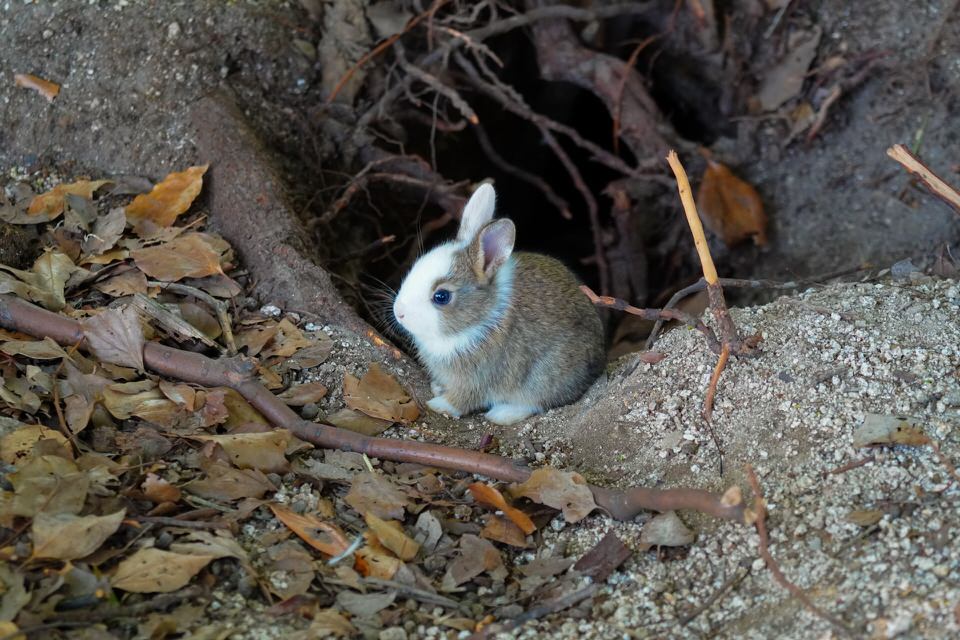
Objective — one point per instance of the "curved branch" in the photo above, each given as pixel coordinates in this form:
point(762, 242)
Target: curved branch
point(237, 372)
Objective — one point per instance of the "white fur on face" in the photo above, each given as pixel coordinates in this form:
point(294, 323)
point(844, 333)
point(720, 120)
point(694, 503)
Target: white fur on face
point(419, 315)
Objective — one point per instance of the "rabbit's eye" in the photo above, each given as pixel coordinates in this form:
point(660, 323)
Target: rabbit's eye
point(441, 297)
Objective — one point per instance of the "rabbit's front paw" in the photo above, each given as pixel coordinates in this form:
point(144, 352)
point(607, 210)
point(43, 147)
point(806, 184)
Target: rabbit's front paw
point(510, 413)
point(436, 388)
point(442, 405)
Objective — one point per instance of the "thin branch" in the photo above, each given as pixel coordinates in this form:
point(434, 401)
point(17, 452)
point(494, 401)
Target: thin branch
point(760, 510)
point(934, 183)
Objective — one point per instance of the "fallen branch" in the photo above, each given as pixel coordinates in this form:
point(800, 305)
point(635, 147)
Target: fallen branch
point(237, 373)
point(934, 183)
point(760, 511)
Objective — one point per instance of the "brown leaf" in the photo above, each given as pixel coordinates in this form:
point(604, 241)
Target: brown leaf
point(47, 89)
point(256, 338)
point(490, 497)
point(666, 530)
point(375, 561)
point(392, 537)
point(183, 394)
point(158, 490)
point(476, 556)
point(50, 484)
point(107, 230)
point(45, 349)
point(124, 284)
point(330, 622)
point(168, 199)
point(379, 395)
point(564, 490)
point(17, 445)
point(262, 451)
point(359, 422)
point(287, 340)
point(49, 205)
point(156, 571)
point(325, 537)
point(503, 530)
point(44, 283)
point(64, 536)
point(301, 394)
point(200, 319)
point(116, 336)
point(295, 564)
point(372, 493)
point(227, 483)
point(785, 79)
point(142, 399)
point(730, 207)
point(190, 255)
point(887, 429)
point(604, 558)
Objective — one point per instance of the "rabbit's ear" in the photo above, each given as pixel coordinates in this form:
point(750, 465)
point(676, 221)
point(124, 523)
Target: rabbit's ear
point(477, 212)
point(495, 244)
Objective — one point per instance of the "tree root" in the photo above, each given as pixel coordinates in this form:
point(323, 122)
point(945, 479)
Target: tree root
point(237, 373)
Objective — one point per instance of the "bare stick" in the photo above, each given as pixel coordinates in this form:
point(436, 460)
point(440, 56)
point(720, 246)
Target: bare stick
point(760, 509)
point(693, 219)
point(655, 314)
point(237, 373)
point(930, 180)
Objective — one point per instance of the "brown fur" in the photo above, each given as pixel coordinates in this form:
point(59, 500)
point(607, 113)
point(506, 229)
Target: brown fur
point(547, 348)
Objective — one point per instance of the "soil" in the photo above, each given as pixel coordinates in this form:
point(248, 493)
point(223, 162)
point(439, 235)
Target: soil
point(132, 73)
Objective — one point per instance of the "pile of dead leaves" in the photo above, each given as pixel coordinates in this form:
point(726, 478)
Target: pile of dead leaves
point(119, 485)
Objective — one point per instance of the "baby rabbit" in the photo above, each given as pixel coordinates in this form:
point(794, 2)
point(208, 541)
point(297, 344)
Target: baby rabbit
point(508, 332)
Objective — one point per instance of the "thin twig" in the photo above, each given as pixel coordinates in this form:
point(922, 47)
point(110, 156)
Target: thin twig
point(535, 613)
point(760, 509)
point(725, 588)
point(934, 183)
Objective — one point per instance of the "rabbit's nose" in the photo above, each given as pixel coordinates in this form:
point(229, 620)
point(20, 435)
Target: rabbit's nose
point(399, 311)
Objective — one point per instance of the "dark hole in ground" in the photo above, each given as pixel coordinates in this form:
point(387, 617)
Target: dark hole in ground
point(382, 210)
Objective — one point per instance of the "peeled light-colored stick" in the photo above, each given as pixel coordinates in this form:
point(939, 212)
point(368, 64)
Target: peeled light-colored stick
point(932, 181)
point(693, 218)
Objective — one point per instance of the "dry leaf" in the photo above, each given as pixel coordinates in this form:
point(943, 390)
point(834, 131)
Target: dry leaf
point(503, 530)
point(359, 422)
point(372, 493)
point(49, 205)
point(254, 339)
point(227, 483)
point(183, 394)
point(666, 530)
point(47, 89)
point(116, 336)
point(375, 561)
point(44, 283)
point(365, 605)
point(604, 558)
point(476, 556)
point(884, 429)
point(107, 230)
point(330, 622)
point(158, 490)
point(127, 283)
point(325, 537)
point(45, 349)
point(168, 199)
point(16, 446)
point(142, 399)
point(189, 256)
point(64, 536)
point(157, 571)
point(50, 484)
point(262, 451)
point(564, 490)
point(287, 340)
point(295, 564)
point(379, 395)
point(490, 497)
point(301, 394)
point(391, 536)
point(785, 80)
point(730, 207)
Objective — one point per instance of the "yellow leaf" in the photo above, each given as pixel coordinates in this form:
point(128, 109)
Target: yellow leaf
point(168, 199)
point(51, 203)
point(157, 571)
point(730, 207)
